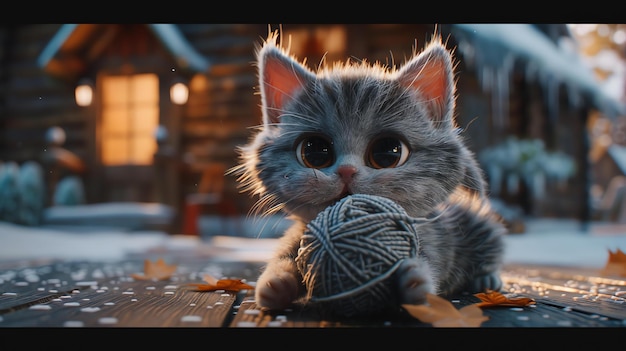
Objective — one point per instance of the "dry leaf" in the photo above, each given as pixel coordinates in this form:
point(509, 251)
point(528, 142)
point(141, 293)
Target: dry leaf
point(442, 314)
point(493, 298)
point(615, 264)
point(220, 284)
point(158, 270)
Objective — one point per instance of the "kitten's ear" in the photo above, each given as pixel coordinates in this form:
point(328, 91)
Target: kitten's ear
point(280, 79)
point(431, 74)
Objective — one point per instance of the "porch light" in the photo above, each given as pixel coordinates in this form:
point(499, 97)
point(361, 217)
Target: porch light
point(179, 93)
point(84, 93)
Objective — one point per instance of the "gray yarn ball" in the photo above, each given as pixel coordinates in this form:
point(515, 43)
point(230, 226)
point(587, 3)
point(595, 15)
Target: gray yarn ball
point(351, 249)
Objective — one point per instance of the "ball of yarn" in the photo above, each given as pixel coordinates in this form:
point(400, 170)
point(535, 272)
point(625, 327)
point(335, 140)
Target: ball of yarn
point(351, 249)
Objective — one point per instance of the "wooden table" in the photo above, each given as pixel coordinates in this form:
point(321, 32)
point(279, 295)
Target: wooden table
point(103, 294)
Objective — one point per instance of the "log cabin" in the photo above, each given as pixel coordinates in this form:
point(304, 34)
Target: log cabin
point(168, 104)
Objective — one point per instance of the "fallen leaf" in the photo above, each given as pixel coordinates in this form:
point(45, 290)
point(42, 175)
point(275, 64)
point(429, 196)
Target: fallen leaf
point(158, 270)
point(493, 298)
point(220, 284)
point(442, 314)
point(615, 264)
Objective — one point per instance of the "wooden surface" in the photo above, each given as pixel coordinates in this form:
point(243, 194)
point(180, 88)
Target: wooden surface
point(103, 294)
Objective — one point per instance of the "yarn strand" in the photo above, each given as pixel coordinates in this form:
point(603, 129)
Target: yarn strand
point(357, 290)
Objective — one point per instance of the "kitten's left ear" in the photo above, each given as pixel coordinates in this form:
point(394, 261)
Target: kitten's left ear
point(431, 74)
point(280, 79)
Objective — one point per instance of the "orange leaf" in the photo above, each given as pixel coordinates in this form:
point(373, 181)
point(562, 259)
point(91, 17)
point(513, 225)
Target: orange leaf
point(441, 313)
point(615, 264)
point(220, 284)
point(493, 298)
point(158, 270)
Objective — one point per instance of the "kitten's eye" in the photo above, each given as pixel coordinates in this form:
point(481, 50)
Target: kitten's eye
point(387, 152)
point(315, 152)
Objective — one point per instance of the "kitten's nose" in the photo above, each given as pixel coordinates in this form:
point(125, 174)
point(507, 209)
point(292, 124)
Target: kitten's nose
point(346, 172)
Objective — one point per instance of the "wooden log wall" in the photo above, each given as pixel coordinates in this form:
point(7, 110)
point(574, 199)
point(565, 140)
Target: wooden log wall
point(34, 102)
point(222, 105)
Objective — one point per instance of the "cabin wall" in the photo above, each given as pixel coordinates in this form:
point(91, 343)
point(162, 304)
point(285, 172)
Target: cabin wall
point(222, 104)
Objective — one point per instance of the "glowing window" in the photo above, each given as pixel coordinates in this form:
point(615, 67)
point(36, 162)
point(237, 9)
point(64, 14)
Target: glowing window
point(130, 116)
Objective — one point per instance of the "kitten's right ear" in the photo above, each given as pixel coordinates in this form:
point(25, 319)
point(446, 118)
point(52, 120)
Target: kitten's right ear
point(431, 74)
point(280, 79)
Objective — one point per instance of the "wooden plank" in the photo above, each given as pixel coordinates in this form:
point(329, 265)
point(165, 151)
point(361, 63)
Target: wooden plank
point(20, 288)
point(230, 69)
point(544, 315)
point(75, 117)
point(568, 289)
point(214, 30)
point(93, 294)
point(123, 303)
point(37, 105)
point(103, 294)
point(37, 31)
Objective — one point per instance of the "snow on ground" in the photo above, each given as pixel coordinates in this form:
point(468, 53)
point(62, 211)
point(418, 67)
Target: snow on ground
point(22, 242)
point(546, 241)
point(565, 243)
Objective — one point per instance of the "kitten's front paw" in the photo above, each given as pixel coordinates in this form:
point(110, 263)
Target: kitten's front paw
point(486, 282)
point(276, 291)
point(414, 281)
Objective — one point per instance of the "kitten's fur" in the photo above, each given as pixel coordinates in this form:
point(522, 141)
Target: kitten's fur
point(348, 106)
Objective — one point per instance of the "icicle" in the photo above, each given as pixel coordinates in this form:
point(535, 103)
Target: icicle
point(485, 78)
point(551, 92)
point(574, 97)
point(500, 94)
point(467, 51)
point(531, 71)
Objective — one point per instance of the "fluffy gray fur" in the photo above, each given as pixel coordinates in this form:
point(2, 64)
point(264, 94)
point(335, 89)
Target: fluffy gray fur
point(350, 105)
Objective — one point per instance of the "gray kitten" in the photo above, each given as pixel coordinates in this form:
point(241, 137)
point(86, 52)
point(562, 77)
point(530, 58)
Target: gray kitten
point(365, 128)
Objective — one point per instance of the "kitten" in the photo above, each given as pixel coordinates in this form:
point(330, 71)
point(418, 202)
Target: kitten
point(365, 128)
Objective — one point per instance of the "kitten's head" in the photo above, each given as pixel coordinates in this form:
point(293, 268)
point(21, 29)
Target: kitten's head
point(356, 128)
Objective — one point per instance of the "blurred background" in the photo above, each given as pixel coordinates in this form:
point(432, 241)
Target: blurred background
point(132, 126)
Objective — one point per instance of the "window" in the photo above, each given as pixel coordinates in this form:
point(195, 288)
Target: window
point(130, 116)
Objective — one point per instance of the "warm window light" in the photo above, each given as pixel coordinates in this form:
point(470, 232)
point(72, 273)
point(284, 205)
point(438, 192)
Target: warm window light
point(179, 93)
point(83, 93)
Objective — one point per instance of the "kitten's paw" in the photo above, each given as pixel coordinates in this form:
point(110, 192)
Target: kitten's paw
point(277, 291)
point(486, 282)
point(414, 282)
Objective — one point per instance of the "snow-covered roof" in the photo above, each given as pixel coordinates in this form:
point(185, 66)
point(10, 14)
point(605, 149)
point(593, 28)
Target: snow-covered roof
point(68, 39)
point(493, 48)
point(174, 41)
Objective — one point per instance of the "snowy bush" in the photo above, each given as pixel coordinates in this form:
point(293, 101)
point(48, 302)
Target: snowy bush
point(69, 191)
point(23, 192)
point(525, 160)
point(32, 194)
point(9, 195)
